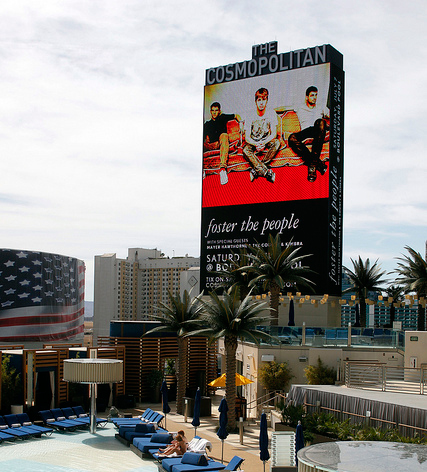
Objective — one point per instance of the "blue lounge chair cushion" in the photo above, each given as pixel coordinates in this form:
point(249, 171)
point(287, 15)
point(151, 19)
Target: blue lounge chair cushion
point(194, 459)
point(145, 428)
point(160, 438)
point(235, 462)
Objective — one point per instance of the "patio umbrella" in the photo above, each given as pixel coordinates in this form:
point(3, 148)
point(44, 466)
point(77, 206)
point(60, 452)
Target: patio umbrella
point(166, 408)
point(263, 440)
point(357, 323)
point(223, 420)
point(299, 440)
point(291, 321)
point(240, 380)
point(196, 414)
point(264, 455)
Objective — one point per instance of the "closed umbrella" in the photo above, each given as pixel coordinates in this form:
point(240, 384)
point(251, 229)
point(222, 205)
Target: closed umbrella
point(196, 414)
point(264, 455)
point(299, 440)
point(165, 408)
point(291, 321)
point(223, 420)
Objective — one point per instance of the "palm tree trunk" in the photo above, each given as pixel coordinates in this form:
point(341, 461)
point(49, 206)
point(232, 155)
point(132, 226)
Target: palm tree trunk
point(230, 344)
point(182, 374)
point(362, 304)
point(274, 304)
point(421, 320)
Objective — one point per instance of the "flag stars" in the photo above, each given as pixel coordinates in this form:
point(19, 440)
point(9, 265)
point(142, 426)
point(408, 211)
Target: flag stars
point(37, 287)
point(9, 263)
point(23, 295)
point(11, 278)
point(22, 254)
point(37, 263)
point(10, 291)
point(8, 303)
point(37, 275)
point(24, 282)
point(36, 300)
point(24, 269)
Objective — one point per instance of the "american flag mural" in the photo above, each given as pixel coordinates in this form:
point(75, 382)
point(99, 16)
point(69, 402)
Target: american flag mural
point(41, 296)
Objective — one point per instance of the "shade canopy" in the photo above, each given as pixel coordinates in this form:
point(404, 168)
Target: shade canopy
point(97, 371)
point(240, 380)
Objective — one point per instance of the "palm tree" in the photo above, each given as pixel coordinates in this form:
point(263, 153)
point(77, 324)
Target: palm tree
point(275, 267)
point(364, 279)
point(395, 292)
point(179, 317)
point(228, 317)
point(413, 275)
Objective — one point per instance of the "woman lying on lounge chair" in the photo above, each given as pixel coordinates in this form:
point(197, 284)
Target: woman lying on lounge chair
point(177, 447)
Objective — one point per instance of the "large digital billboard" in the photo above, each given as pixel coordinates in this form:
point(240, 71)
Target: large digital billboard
point(273, 159)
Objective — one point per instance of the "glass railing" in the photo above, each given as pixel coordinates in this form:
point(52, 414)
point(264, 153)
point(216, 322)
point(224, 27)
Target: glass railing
point(318, 337)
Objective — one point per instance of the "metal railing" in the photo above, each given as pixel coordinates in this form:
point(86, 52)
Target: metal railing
point(377, 376)
point(265, 402)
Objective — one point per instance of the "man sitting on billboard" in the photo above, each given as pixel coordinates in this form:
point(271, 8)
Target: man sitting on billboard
point(260, 135)
point(314, 126)
point(215, 136)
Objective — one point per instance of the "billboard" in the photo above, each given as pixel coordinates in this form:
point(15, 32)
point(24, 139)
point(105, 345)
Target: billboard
point(41, 296)
point(273, 159)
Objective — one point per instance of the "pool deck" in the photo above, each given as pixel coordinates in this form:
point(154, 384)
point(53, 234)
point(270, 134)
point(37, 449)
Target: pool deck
point(81, 451)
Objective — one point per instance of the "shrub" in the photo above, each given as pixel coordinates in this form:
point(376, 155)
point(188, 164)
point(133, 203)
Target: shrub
point(320, 374)
point(275, 375)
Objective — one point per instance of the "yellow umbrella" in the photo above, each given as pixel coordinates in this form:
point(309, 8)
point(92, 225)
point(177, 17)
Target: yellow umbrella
point(240, 380)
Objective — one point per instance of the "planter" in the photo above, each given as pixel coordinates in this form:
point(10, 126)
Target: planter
point(283, 427)
point(16, 409)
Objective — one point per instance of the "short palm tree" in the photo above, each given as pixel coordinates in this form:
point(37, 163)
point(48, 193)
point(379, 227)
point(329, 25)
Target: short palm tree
point(227, 317)
point(395, 293)
point(275, 267)
point(364, 278)
point(412, 272)
point(179, 317)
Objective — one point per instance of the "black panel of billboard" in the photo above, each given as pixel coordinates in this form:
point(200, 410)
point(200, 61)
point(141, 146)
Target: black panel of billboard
point(273, 159)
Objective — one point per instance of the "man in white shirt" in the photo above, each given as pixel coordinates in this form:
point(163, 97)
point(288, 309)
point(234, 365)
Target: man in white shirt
point(261, 135)
point(313, 125)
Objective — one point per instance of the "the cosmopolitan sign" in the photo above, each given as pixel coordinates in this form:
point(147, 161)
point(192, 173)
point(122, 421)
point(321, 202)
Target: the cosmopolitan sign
point(273, 159)
point(266, 60)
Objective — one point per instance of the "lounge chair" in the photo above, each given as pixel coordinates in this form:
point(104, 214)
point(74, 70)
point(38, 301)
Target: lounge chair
point(141, 446)
point(25, 422)
point(197, 444)
point(193, 464)
point(81, 415)
point(58, 414)
point(6, 437)
point(127, 433)
point(61, 425)
point(152, 417)
point(135, 419)
point(17, 432)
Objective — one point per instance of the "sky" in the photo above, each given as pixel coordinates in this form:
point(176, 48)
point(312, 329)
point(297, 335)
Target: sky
point(102, 109)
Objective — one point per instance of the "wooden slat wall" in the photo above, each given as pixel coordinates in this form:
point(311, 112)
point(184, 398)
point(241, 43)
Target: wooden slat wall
point(149, 353)
point(133, 361)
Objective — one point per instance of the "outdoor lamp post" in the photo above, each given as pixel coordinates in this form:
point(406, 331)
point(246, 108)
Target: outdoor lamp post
point(93, 371)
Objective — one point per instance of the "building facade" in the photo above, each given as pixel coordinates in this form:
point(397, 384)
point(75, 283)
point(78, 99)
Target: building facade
point(130, 289)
